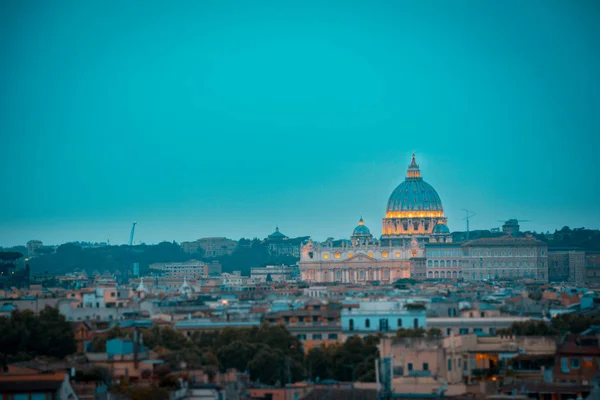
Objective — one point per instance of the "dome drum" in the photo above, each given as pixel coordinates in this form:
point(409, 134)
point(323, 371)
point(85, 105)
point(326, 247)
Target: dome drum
point(414, 207)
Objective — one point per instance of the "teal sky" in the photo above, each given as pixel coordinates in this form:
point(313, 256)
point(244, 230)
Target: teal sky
point(217, 118)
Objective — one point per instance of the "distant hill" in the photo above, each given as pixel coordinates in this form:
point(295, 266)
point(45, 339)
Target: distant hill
point(70, 256)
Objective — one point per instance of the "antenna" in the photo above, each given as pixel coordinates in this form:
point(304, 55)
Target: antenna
point(470, 214)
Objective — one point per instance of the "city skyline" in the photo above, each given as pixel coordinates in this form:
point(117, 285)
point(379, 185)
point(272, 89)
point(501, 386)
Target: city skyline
point(229, 120)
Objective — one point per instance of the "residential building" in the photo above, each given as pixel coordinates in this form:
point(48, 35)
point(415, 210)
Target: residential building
point(212, 246)
point(189, 269)
point(33, 246)
point(505, 258)
point(424, 365)
point(27, 383)
point(592, 266)
point(474, 324)
point(315, 324)
point(364, 318)
point(214, 268)
point(577, 359)
point(272, 273)
point(566, 266)
point(443, 260)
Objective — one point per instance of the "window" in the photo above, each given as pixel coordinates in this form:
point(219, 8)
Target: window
point(575, 363)
point(399, 322)
point(464, 331)
point(425, 366)
point(333, 336)
point(326, 256)
point(416, 323)
point(449, 364)
point(317, 336)
point(337, 255)
point(482, 314)
point(367, 323)
point(410, 367)
point(351, 324)
point(448, 331)
point(301, 336)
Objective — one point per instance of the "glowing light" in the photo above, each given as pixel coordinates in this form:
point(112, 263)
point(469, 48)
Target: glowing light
point(384, 254)
point(410, 214)
point(326, 256)
point(337, 255)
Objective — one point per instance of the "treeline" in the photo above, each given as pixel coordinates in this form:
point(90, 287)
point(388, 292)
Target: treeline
point(25, 336)
point(558, 326)
point(70, 256)
point(269, 353)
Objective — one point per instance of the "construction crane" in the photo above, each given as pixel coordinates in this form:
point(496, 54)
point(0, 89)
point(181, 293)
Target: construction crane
point(135, 266)
point(470, 214)
point(131, 234)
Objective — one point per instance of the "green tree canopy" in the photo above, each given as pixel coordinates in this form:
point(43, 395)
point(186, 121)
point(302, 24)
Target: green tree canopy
point(25, 335)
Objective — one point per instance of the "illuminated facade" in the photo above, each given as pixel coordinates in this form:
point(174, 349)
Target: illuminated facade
point(414, 217)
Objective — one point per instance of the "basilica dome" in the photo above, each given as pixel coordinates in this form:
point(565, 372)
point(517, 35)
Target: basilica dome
point(414, 194)
point(361, 229)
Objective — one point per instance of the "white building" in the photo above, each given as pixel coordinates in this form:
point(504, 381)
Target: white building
point(277, 273)
point(189, 269)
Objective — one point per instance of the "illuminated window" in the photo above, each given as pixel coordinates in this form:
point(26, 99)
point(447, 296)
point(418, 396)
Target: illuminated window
point(350, 255)
point(371, 255)
point(384, 254)
point(337, 255)
point(326, 256)
point(397, 255)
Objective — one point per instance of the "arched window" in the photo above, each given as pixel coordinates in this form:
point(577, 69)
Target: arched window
point(436, 263)
point(442, 263)
point(367, 323)
point(416, 323)
point(351, 323)
point(430, 274)
point(454, 263)
point(429, 263)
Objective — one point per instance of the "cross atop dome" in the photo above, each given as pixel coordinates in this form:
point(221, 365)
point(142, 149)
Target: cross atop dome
point(413, 169)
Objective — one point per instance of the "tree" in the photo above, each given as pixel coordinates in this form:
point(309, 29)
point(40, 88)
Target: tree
point(25, 335)
point(573, 323)
point(529, 328)
point(410, 333)
point(434, 333)
point(236, 355)
point(266, 365)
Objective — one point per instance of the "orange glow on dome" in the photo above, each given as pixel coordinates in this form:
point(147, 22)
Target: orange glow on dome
point(411, 214)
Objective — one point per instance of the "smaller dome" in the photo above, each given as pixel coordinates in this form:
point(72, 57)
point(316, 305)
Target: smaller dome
point(277, 234)
point(441, 229)
point(361, 229)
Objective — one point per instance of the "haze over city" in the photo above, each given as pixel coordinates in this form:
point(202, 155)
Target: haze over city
point(220, 119)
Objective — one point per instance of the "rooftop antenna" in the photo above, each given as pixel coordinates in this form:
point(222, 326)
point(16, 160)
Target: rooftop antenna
point(470, 214)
